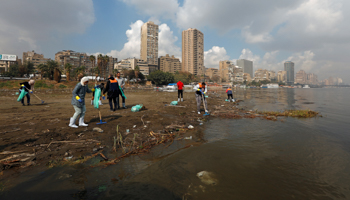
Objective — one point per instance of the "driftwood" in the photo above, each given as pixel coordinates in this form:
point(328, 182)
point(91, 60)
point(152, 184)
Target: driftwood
point(10, 152)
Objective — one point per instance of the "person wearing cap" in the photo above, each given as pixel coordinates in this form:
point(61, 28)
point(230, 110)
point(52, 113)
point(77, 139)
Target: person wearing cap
point(78, 102)
point(201, 90)
point(112, 89)
point(28, 87)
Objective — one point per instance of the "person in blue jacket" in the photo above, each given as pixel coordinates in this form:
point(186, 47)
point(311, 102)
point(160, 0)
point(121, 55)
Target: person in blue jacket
point(78, 102)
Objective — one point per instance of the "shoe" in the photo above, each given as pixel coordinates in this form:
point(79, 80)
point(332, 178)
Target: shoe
point(124, 106)
point(178, 100)
point(100, 103)
point(29, 104)
point(111, 110)
point(206, 111)
point(72, 123)
point(92, 102)
point(81, 122)
point(199, 113)
point(182, 99)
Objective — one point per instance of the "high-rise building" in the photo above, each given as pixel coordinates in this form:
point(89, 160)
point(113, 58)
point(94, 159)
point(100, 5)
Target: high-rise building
point(193, 51)
point(272, 75)
point(301, 77)
point(289, 68)
point(225, 69)
point(35, 58)
point(169, 64)
point(247, 66)
point(211, 72)
point(149, 43)
point(312, 79)
point(281, 76)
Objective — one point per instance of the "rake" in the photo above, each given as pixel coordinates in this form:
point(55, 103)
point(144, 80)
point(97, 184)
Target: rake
point(205, 108)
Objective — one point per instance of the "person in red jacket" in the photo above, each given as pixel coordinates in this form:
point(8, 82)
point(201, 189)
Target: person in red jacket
point(229, 95)
point(180, 91)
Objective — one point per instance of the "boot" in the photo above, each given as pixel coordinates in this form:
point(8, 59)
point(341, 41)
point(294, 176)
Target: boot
point(81, 122)
point(100, 103)
point(124, 106)
point(72, 123)
point(92, 102)
point(182, 99)
point(178, 99)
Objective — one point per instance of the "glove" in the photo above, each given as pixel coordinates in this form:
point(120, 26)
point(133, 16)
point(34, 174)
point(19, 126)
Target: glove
point(103, 97)
point(31, 91)
point(79, 99)
point(93, 89)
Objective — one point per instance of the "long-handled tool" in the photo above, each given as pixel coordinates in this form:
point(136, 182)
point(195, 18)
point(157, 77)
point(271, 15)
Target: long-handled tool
point(42, 102)
point(99, 112)
point(206, 113)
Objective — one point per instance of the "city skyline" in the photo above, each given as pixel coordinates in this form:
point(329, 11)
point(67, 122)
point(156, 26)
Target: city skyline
point(268, 37)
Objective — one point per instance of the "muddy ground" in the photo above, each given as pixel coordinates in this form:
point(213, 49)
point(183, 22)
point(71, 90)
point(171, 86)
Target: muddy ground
point(38, 135)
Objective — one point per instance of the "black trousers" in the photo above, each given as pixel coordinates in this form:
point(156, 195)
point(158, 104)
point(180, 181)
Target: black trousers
point(180, 92)
point(114, 99)
point(229, 95)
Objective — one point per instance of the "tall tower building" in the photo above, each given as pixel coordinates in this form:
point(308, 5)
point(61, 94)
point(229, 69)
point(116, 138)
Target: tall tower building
point(193, 51)
point(247, 66)
point(289, 68)
point(149, 43)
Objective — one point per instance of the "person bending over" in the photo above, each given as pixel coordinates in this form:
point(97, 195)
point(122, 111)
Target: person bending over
point(28, 87)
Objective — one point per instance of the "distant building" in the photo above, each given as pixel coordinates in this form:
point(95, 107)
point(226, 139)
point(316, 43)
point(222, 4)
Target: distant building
point(211, 72)
point(238, 74)
point(247, 78)
point(247, 66)
point(272, 75)
point(312, 79)
point(224, 70)
point(281, 76)
point(131, 63)
point(262, 75)
point(169, 64)
point(6, 61)
point(289, 68)
point(149, 43)
point(301, 77)
point(35, 58)
point(193, 51)
point(74, 58)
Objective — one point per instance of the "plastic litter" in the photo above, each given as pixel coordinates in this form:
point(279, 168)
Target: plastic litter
point(207, 177)
point(174, 103)
point(98, 129)
point(134, 126)
point(127, 130)
point(97, 97)
point(188, 138)
point(190, 127)
point(136, 108)
point(22, 94)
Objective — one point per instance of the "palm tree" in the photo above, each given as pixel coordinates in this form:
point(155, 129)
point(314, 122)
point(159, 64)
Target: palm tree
point(137, 71)
point(100, 63)
point(43, 70)
point(93, 61)
point(105, 64)
point(68, 67)
point(52, 67)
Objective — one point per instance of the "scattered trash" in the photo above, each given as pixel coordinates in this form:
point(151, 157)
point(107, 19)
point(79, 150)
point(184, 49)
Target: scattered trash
point(127, 130)
point(207, 177)
point(190, 127)
point(188, 138)
point(134, 126)
point(136, 108)
point(80, 134)
point(98, 129)
point(222, 105)
point(174, 103)
point(227, 100)
point(17, 93)
point(68, 158)
point(201, 124)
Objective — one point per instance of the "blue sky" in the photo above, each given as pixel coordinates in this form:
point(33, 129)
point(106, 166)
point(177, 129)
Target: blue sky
point(314, 34)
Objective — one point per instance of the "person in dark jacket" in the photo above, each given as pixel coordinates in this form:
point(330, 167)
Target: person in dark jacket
point(112, 89)
point(229, 94)
point(78, 102)
point(28, 87)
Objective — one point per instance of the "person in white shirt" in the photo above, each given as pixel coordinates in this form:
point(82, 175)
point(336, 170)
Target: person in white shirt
point(201, 90)
point(121, 82)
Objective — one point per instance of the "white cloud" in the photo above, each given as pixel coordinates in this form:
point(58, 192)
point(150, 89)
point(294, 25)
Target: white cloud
point(132, 47)
point(167, 42)
point(24, 23)
point(213, 56)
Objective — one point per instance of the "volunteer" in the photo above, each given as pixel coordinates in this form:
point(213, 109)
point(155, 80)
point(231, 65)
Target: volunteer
point(112, 89)
point(180, 91)
point(121, 82)
point(201, 90)
point(28, 87)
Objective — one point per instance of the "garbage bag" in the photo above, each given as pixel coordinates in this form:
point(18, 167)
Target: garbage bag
point(97, 97)
point(22, 94)
point(174, 103)
point(136, 108)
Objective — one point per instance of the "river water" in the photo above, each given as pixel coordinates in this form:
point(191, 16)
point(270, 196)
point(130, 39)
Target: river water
point(247, 158)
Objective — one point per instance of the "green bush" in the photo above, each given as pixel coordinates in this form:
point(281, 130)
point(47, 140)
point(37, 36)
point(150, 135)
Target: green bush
point(42, 84)
point(5, 84)
point(62, 86)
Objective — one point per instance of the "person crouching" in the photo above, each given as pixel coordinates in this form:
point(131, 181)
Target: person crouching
point(112, 89)
point(229, 94)
point(78, 102)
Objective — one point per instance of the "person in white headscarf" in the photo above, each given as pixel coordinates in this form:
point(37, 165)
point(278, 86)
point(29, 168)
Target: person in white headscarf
point(78, 102)
point(28, 87)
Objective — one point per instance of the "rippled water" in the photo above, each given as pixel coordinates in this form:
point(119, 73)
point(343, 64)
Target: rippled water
point(249, 158)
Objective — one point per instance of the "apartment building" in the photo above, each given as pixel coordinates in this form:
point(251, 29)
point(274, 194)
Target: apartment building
point(301, 77)
point(281, 76)
point(149, 43)
point(169, 64)
point(35, 58)
point(225, 69)
point(193, 51)
point(262, 75)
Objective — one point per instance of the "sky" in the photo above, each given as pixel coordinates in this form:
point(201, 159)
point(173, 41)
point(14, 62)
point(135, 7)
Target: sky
point(314, 34)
